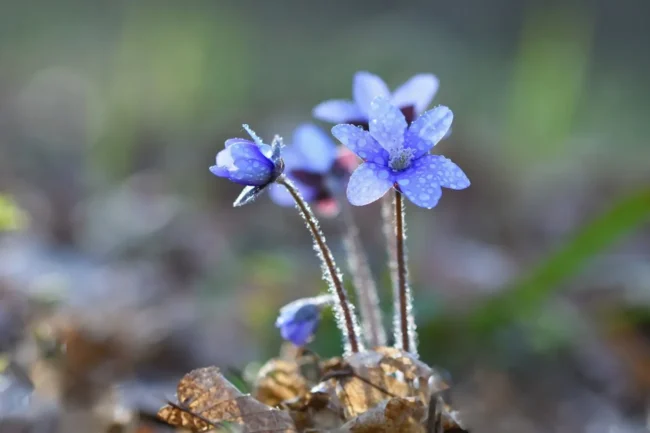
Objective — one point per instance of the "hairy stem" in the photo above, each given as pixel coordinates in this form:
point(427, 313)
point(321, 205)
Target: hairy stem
point(346, 318)
point(404, 322)
point(388, 228)
point(364, 283)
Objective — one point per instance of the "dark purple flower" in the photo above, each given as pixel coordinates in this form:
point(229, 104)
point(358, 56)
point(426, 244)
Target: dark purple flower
point(397, 155)
point(412, 98)
point(315, 164)
point(299, 319)
point(250, 163)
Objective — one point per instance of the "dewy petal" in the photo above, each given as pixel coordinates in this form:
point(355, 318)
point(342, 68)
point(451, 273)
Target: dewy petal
point(281, 196)
point(219, 171)
point(232, 141)
point(428, 130)
point(446, 173)
point(368, 183)
point(365, 88)
point(418, 91)
point(243, 163)
point(361, 143)
point(317, 148)
point(338, 111)
point(387, 124)
point(419, 183)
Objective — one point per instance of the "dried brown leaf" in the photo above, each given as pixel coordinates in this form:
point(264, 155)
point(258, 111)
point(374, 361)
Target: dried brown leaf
point(279, 380)
point(208, 398)
point(365, 388)
point(394, 360)
point(396, 415)
point(441, 418)
point(380, 374)
point(179, 417)
point(315, 411)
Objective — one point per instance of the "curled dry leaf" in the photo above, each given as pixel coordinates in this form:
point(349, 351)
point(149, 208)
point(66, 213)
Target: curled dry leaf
point(380, 374)
point(363, 388)
point(395, 415)
point(315, 411)
point(398, 360)
point(206, 399)
point(442, 419)
point(279, 380)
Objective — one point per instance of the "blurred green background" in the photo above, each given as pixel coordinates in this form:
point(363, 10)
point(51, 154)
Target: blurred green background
point(111, 113)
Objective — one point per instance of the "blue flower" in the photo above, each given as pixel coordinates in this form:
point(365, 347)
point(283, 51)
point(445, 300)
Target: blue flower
point(315, 165)
point(412, 98)
point(397, 155)
point(299, 319)
point(251, 163)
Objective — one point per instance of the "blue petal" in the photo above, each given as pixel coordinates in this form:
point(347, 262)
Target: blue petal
point(419, 183)
point(428, 130)
point(298, 321)
point(368, 183)
point(338, 111)
point(317, 148)
point(365, 88)
point(298, 333)
point(281, 196)
point(361, 143)
point(219, 171)
point(232, 141)
point(243, 163)
point(418, 91)
point(446, 173)
point(387, 124)
point(292, 159)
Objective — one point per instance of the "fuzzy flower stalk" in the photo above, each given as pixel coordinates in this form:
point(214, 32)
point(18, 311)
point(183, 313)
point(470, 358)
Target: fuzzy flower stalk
point(343, 309)
point(320, 170)
point(396, 156)
point(364, 284)
point(257, 166)
point(404, 328)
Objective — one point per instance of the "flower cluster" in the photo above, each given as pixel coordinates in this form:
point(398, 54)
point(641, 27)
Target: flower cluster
point(391, 133)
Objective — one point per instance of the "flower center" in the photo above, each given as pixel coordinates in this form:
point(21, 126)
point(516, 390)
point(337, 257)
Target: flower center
point(400, 159)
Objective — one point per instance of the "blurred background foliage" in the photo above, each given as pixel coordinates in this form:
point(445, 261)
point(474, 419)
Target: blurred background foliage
point(111, 112)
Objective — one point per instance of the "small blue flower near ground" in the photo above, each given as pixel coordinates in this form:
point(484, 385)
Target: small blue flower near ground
point(299, 319)
point(412, 98)
point(251, 163)
point(397, 155)
point(313, 162)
